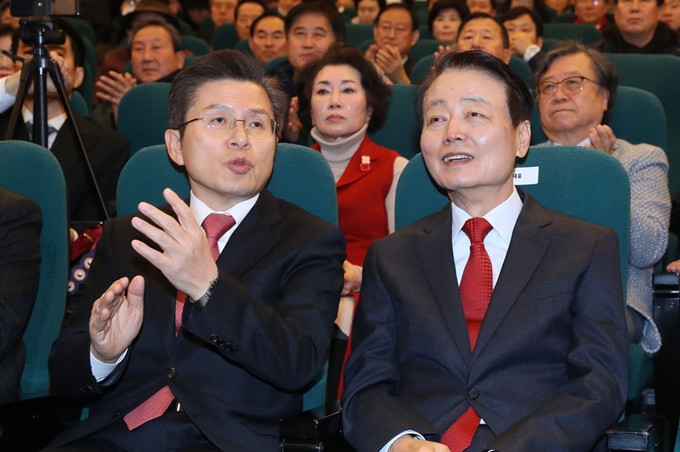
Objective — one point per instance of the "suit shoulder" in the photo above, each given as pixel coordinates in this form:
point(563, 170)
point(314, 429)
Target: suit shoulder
point(103, 132)
point(14, 207)
point(297, 217)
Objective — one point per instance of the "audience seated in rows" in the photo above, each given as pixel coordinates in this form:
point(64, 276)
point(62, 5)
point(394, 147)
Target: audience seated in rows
point(576, 89)
point(107, 149)
point(637, 29)
point(525, 31)
point(444, 19)
point(342, 99)
point(593, 12)
point(395, 33)
point(156, 55)
point(267, 37)
point(537, 6)
point(20, 226)
point(245, 14)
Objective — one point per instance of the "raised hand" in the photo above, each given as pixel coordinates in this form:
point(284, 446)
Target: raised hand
point(410, 444)
point(185, 257)
point(116, 318)
point(603, 138)
point(113, 87)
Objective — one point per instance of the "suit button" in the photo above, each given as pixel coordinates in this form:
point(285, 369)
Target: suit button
point(473, 393)
point(214, 338)
point(171, 373)
point(117, 413)
point(232, 349)
point(222, 343)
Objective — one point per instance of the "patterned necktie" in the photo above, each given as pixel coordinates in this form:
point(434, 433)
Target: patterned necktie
point(50, 129)
point(215, 226)
point(476, 287)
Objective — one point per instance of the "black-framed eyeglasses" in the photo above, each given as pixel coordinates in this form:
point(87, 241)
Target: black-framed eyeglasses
point(255, 126)
point(570, 85)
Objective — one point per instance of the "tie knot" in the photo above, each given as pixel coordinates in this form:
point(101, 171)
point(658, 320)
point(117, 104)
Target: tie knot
point(477, 228)
point(216, 225)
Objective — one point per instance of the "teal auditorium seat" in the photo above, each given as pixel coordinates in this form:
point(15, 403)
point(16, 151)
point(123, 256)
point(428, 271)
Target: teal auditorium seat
point(658, 74)
point(34, 172)
point(85, 29)
point(585, 33)
point(274, 62)
point(581, 182)
point(143, 115)
point(195, 45)
point(244, 47)
point(401, 131)
point(225, 37)
point(78, 104)
point(315, 192)
point(422, 48)
point(522, 69)
point(355, 34)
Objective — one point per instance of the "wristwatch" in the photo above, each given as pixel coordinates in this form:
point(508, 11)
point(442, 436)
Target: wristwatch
point(201, 302)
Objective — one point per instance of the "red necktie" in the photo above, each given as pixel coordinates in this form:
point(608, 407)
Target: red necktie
point(215, 226)
point(476, 287)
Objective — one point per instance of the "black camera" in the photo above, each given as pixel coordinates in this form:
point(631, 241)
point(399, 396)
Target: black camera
point(25, 8)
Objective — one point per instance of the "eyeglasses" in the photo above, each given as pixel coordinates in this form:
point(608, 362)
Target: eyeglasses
point(570, 85)
point(255, 126)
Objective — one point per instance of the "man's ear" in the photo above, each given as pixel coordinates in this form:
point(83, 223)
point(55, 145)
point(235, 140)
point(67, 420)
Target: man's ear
point(523, 139)
point(173, 142)
point(507, 55)
point(539, 41)
point(416, 36)
point(181, 56)
point(80, 76)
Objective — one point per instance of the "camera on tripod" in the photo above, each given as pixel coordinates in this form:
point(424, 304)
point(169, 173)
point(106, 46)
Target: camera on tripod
point(25, 8)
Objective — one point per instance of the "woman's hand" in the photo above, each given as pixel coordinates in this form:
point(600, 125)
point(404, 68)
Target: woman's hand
point(352, 278)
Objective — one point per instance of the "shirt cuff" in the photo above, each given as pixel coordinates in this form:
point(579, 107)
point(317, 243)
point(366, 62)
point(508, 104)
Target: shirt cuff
point(412, 433)
point(102, 370)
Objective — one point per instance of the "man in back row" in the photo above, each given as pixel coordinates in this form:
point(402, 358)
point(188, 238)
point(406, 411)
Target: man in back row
point(238, 290)
point(494, 324)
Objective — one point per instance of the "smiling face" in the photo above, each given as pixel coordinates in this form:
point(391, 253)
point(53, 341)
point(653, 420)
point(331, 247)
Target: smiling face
point(468, 141)
point(484, 34)
point(309, 37)
point(338, 102)
point(568, 118)
point(225, 166)
point(152, 54)
point(445, 26)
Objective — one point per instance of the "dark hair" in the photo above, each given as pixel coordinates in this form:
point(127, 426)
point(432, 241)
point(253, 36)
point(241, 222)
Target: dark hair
point(478, 15)
point(175, 36)
point(539, 8)
point(381, 4)
point(266, 14)
point(218, 66)
point(77, 44)
point(520, 103)
point(519, 11)
point(329, 11)
point(242, 2)
point(442, 5)
point(405, 7)
point(605, 73)
point(340, 54)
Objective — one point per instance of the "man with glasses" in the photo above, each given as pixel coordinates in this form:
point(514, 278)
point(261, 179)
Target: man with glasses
point(576, 89)
point(202, 324)
point(637, 29)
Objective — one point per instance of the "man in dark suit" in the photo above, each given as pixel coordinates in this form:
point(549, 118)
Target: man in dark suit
point(255, 328)
point(20, 226)
point(107, 149)
point(512, 341)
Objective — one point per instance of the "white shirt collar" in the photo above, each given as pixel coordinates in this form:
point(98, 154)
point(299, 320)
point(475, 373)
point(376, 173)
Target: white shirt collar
point(238, 211)
point(502, 217)
point(55, 122)
point(585, 143)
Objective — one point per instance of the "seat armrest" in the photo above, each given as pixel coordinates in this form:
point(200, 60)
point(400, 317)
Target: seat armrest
point(638, 432)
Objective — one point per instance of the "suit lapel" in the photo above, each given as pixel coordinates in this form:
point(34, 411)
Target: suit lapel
point(435, 254)
point(528, 246)
point(354, 169)
point(66, 148)
point(253, 238)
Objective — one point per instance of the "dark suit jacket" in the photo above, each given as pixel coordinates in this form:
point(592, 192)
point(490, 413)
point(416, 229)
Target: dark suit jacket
point(20, 226)
point(108, 151)
point(549, 370)
point(241, 363)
